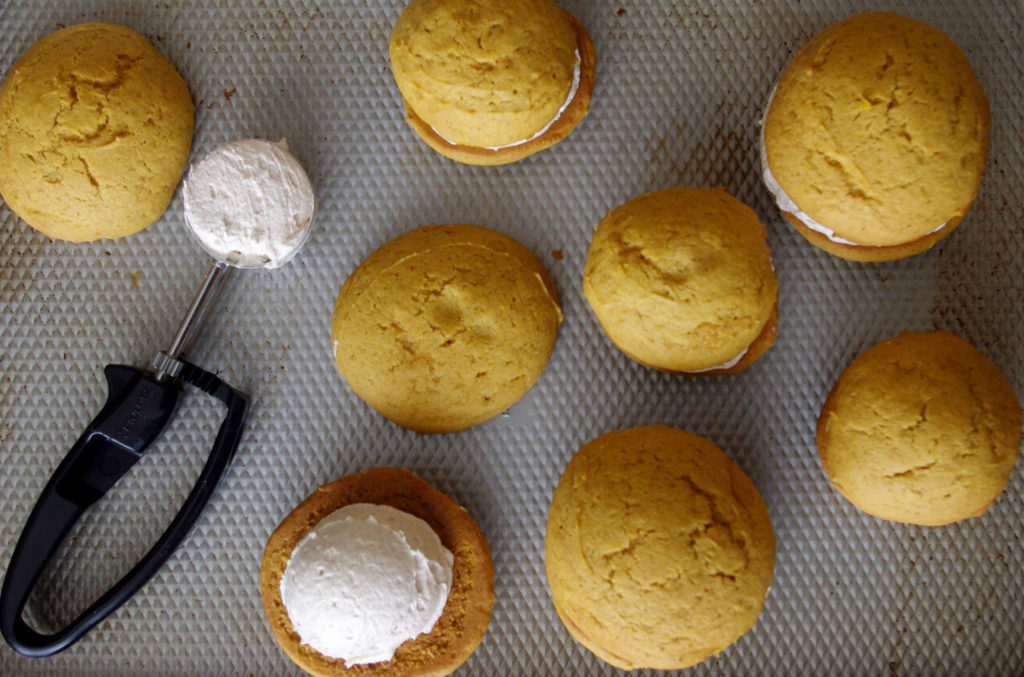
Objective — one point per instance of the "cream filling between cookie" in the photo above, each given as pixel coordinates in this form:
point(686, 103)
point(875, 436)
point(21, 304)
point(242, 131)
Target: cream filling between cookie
point(786, 203)
point(725, 365)
point(576, 74)
point(364, 580)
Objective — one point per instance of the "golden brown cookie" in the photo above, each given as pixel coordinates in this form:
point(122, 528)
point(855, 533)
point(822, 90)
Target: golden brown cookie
point(659, 549)
point(875, 139)
point(466, 614)
point(95, 132)
point(922, 429)
point(445, 326)
point(487, 82)
point(682, 280)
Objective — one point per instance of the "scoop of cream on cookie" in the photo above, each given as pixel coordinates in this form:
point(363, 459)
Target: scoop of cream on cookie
point(378, 574)
point(364, 580)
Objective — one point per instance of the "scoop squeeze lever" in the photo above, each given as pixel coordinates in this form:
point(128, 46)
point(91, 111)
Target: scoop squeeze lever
point(139, 405)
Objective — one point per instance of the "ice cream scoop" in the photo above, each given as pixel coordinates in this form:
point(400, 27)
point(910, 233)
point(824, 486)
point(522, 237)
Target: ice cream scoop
point(249, 204)
point(140, 402)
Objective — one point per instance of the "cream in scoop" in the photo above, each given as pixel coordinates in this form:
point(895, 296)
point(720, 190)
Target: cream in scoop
point(249, 203)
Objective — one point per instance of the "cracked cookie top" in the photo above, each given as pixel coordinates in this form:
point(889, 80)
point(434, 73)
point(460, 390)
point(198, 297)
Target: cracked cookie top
point(95, 131)
point(445, 326)
point(921, 429)
point(659, 549)
point(682, 280)
point(879, 131)
point(484, 73)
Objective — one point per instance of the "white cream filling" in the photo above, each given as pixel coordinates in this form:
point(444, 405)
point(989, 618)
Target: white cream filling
point(249, 203)
point(568, 99)
point(364, 580)
point(786, 203)
point(725, 365)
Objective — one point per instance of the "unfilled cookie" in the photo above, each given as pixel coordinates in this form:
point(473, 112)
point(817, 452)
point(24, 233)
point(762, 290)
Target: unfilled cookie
point(659, 549)
point(922, 429)
point(95, 132)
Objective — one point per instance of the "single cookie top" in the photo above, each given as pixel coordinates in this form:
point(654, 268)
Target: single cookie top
point(467, 612)
point(682, 279)
point(95, 132)
point(878, 131)
point(659, 549)
point(921, 428)
point(445, 326)
point(485, 73)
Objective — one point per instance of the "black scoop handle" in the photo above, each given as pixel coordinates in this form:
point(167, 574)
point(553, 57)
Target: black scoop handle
point(138, 408)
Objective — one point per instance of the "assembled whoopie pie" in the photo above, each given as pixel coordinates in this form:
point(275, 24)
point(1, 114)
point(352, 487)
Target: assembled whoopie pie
point(682, 280)
point(445, 327)
point(875, 139)
point(488, 82)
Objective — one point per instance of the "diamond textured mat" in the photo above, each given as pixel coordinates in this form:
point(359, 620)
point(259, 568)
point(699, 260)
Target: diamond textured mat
point(679, 92)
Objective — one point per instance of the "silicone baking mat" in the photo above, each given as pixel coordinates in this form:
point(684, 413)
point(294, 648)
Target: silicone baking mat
point(679, 92)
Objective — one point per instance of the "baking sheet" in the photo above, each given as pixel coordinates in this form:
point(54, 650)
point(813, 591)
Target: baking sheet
point(680, 87)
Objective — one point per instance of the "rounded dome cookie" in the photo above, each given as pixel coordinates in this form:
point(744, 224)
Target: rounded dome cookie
point(95, 132)
point(488, 82)
point(659, 550)
point(921, 429)
point(875, 139)
point(467, 609)
point(682, 280)
point(445, 326)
